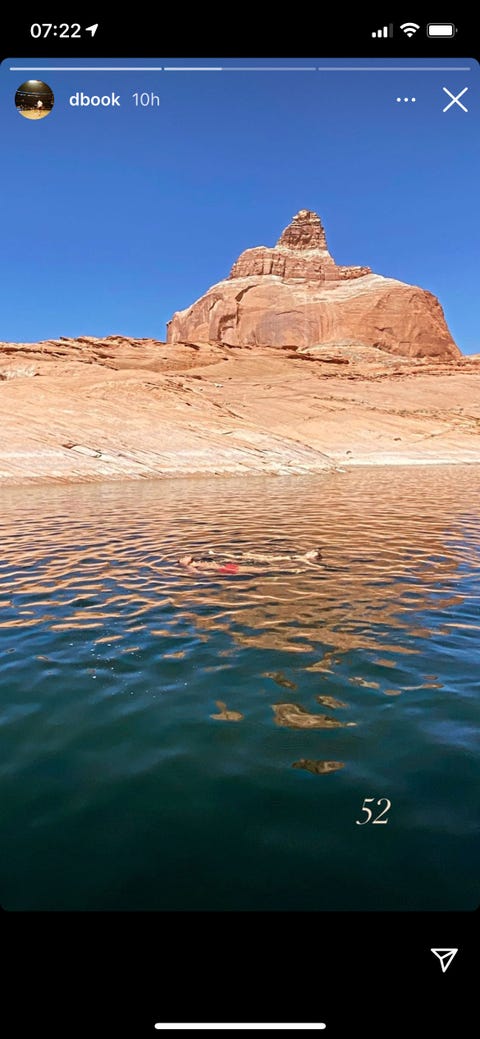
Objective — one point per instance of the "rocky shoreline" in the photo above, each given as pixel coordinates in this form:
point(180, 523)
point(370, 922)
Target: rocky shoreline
point(81, 410)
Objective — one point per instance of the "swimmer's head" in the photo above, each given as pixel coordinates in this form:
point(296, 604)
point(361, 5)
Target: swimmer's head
point(314, 554)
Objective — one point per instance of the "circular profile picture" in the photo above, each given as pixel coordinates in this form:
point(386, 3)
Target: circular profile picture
point(34, 99)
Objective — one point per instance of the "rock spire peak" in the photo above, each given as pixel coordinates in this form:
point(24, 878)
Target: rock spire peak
point(304, 232)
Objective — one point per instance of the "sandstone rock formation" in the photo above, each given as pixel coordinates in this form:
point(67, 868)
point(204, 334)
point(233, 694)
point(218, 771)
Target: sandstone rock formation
point(91, 409)
point(295, 295)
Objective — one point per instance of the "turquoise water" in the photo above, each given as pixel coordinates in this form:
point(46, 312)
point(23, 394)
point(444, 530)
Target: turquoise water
point(119, 790)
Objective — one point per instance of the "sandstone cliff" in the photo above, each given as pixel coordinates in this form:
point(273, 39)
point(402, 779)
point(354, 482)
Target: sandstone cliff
point(296, 295)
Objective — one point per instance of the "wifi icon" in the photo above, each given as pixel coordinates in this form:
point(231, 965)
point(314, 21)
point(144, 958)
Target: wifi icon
point(409, 28)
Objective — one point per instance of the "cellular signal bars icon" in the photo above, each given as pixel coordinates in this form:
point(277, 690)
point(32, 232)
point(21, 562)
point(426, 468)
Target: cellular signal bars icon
point(383, 34)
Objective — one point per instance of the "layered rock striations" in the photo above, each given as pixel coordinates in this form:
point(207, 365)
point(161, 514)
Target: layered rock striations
point(296, 295)
point(106, 409)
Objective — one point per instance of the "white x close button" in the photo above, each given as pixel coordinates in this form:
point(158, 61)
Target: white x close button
point(455, 99)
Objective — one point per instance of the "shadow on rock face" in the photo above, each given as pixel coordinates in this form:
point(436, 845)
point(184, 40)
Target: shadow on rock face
point(319, 768)
point(297, 717)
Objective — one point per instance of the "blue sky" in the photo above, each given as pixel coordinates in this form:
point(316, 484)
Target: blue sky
point(114, 219)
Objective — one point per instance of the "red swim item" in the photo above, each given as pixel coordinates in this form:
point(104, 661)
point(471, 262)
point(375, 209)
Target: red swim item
point(228, 568)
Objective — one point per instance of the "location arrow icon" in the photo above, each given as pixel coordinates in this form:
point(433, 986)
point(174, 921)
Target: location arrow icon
point(445, 956)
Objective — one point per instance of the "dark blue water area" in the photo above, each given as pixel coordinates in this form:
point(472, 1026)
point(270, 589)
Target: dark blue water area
point(119, 787)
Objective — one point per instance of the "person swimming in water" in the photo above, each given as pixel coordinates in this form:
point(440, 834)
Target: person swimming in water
point(231, 565)
point(207, 563)
point(312, 557)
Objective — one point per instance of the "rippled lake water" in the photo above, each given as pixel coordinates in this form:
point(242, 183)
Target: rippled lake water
point(119, 787)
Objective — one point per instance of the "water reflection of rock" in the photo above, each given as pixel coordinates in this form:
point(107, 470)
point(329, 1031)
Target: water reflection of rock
point(330, 701)
point(295, 716)
point(358, 680)
point(225, 715)
point(101, 562)
point(280, 679)
point(319, 768)
point(106, 555)
point(398, 559)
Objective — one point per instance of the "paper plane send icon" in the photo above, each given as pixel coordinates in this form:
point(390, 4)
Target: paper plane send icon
point(445, 956)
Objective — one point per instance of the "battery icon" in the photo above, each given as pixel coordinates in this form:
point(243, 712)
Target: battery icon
point(441, 30)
